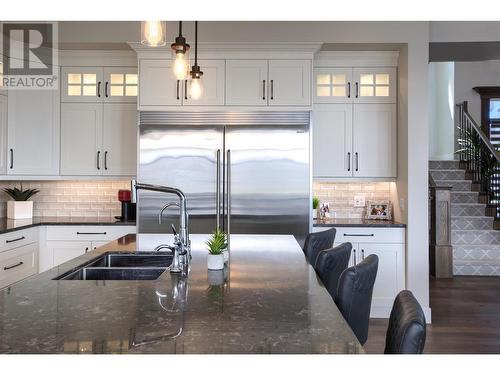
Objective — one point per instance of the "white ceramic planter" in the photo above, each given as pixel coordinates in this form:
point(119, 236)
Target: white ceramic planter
point(315, 213)
point(19, 209)
point(215, 262)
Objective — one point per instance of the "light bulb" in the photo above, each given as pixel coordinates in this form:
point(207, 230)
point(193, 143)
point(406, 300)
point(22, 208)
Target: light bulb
point(181, 66)
point(153, 33)
point(196, 89)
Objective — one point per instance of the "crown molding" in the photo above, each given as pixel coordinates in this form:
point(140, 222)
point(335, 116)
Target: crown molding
point(326, 59)
point(249, 50)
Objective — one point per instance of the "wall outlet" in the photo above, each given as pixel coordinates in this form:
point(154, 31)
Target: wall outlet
point(359, 201)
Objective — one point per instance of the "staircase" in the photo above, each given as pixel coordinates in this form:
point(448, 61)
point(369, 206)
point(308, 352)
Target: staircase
point(476, 244)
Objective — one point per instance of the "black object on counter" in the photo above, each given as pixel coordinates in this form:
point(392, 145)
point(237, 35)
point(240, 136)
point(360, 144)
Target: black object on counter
point(129, 210)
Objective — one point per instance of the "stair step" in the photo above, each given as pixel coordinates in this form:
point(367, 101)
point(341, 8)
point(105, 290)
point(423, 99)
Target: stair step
point(481, 260)
point(472, 223)
point(464, 197)
point(468, 209)
point(457, 185)
point(447, 174)
point(475, 237)
point(444, 164)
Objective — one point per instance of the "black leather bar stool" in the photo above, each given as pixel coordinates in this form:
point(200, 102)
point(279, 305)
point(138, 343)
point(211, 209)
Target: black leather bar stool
point(315, 242)
point(354, 295)
point(406, 332)
point(331, 263)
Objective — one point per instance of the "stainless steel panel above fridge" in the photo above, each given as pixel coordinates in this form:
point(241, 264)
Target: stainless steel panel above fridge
point(244, 172)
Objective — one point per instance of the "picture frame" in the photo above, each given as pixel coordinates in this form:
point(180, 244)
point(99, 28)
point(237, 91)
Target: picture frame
point(379, 210)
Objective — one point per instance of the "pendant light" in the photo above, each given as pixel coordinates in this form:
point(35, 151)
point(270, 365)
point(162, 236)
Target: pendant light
point(196, 88)
point(153, 33)
point(180, 50)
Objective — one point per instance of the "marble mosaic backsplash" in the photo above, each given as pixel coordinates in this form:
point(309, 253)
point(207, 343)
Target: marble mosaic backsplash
point(340, 196)
point(70, 198)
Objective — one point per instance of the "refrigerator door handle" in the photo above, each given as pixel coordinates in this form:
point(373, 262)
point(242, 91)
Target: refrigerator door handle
point(217, 190)
point(228, 194)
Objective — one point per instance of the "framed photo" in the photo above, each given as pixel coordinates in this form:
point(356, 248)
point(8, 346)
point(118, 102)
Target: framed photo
point(379, 210)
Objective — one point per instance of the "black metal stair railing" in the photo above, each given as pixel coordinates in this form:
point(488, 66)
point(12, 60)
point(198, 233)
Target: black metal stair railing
point(479, 157)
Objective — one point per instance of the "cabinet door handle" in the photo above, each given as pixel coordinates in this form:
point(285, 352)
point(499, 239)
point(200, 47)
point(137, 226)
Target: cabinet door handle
point(358, 235)
point(348, 89)
point(15, 239)
point(263, 89)
point(357, 89)
point(348, 162)
point(86, 249)
point(13, 266)
point(91, 232)
point(357, 161)
point(363, 254)
point(354, 252)
point(106, 160)
point(106, 89)
point(178, 97)
point(186, 89)
point(272, 89)
point(99, 89)
point(11, 158)
point(98, 160)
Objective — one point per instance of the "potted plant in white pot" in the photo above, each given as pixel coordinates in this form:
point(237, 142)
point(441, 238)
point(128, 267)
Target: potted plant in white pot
point(315, 207)
point(216, 245)
point(20, 207)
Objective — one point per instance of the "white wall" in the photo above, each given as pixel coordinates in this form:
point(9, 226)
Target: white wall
point(412, 39)
point(471, 74)
point(441, 111)
point(464, 31)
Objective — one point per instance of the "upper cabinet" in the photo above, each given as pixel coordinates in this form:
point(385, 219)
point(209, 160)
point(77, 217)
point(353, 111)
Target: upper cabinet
point(355, 85)
point(3, 134)
point(159, 87)
point(33, 132)
point(268, 82)
point(98, 84)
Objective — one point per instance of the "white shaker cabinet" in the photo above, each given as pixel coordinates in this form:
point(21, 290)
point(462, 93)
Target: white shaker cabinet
point(158, 85)
point(332, 140)
point(246, 82)
point(33, 132)
point(333, 85)
point(119, 140)
point(3, 134)
point(98, 139)
point(289, 82)
point(81, 138)
point(374, 140)
point(212, 83)
point(389, 245)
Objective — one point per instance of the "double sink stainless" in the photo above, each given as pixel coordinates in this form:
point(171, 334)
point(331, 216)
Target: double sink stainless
point(121, 266)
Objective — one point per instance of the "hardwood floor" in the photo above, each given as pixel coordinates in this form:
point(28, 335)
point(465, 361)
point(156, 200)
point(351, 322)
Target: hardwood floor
point(465, 318)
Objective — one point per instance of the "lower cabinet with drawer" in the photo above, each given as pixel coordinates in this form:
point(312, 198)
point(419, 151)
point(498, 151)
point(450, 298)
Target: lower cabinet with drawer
point(18, 263)
point(389, 245)
point(64, 243)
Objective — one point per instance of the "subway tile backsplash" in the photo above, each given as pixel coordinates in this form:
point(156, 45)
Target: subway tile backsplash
point(340, 196)
point(70, 198)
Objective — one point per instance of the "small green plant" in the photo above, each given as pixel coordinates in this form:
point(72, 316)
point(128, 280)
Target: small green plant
point(20, 194)
point(315, 203)
point(217, 242)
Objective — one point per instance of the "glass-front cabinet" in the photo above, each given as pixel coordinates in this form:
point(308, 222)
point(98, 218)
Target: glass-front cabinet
point(355, 85)
point(98, 84)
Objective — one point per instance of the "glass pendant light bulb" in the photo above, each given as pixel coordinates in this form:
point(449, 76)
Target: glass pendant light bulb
point(153, 33)
point(181, 66)
point(196, 89)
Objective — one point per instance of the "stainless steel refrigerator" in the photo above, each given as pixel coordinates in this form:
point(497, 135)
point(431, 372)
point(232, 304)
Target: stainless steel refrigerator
point(245, 172)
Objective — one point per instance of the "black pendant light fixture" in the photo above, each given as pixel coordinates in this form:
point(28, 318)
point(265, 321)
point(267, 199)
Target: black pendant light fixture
point(180, 50)
point(196, 88)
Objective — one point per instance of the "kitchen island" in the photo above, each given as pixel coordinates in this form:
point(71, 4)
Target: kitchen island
point(267, 300)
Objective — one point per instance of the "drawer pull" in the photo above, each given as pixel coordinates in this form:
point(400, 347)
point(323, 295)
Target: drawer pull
point(358, 235)
point(15, 239)
point(91, 233)
point(14, 266)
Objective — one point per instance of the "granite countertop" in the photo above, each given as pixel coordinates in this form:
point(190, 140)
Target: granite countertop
point(10, 225)
point(358, 223)
point(267, 300)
